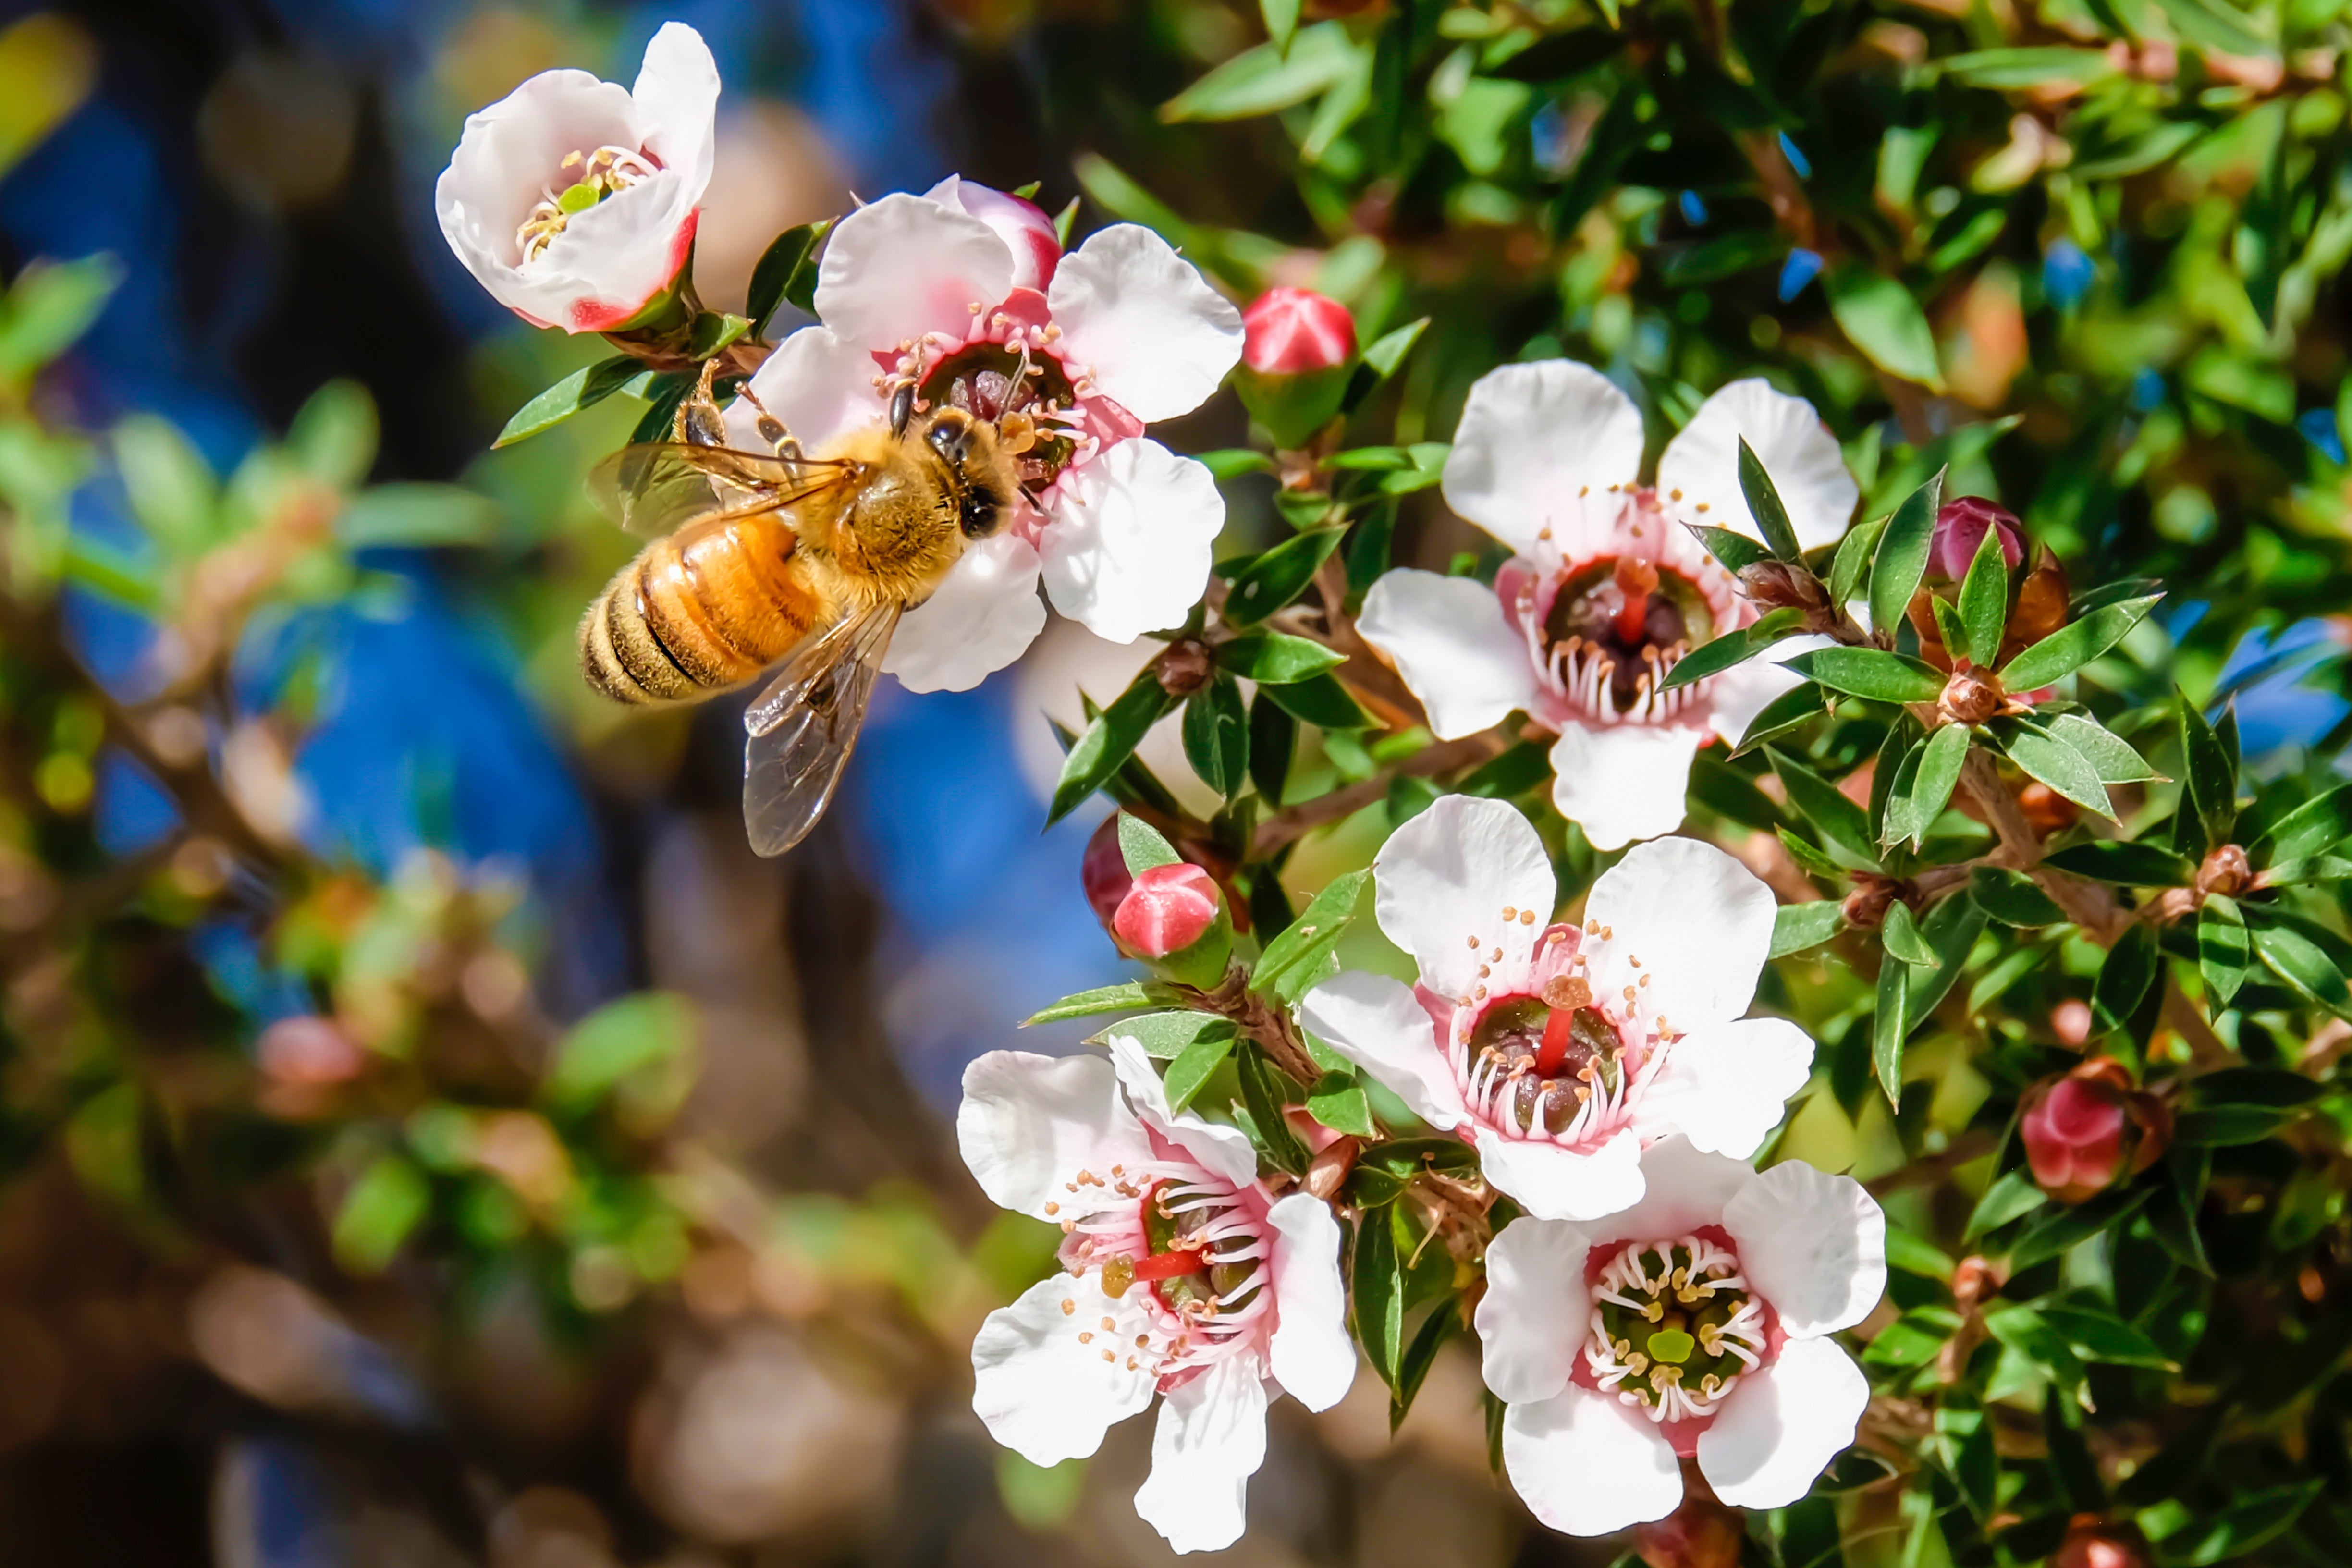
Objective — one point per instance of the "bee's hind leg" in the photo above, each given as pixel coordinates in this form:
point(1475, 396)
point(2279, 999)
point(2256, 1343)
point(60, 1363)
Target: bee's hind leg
point(699, 421)
point(772, 429)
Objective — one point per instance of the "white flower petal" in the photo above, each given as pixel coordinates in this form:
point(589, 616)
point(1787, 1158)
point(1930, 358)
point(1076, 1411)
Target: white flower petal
point(1127, 541)
point(1210, 1441)
point(1450, 641)
point(1812, 1244)
point(1221, 1151)
point(905, 267)
point(1724, 1086)
point(1741, 692)
point(1445, 879)
point(821, 387)
point(676, 98)
point(1023, 226)
point(1782, 1426)
point(1378, 1024)
point(1042, 1391)
point(1029, 1123)
point(1789, 439)
point(1622, 782)
point(980, 619)
point(1533, 1318)
point(1532, 439)
point(1587, 1465)
point(1685, 1188)
point(1142, 319)
point(1698, 920)
point(1553, 1182)
point(1309, 1353)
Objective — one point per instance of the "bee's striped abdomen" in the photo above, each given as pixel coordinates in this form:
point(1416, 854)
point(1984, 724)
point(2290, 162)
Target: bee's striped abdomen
point(698, 612)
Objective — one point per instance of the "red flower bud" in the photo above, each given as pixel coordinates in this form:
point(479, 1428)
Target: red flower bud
point(1961, 530)
point(1104, 873)
point(2089, 1130)
point(1291, 332)
point(2094, 1543)
point(1169, 909)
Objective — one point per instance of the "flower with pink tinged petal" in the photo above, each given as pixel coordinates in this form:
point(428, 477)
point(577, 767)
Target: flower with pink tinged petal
point(2091, 1129)
point(1960, 528)
point(1293, 332)
point(1607, 590)
point(1182, 1275)
point(1563, 1051)
point(574, 201)
point(964, 294)
point(1694, 1325)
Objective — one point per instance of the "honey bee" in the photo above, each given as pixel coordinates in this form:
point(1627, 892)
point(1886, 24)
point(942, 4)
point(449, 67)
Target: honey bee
point(809, 558)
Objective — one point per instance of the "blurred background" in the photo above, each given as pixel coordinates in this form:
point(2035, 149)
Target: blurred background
point(438, 1140)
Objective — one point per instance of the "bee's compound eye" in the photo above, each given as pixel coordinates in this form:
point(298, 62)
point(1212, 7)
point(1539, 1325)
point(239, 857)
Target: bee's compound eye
point(980, 517)
point(951, 438)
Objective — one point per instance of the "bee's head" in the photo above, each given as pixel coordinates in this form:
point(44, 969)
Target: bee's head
point(984, 477)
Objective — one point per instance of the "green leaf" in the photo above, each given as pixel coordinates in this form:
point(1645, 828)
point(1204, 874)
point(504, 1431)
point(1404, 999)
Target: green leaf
point(1888, 1026)
point(1274, 736)
point(1378, 1295)
point(613, 1042)
point(1796, 706)
point(584, 388)
point(1984, 601)
point(1277, 577)
point(50, 305)
point(381, 1209)
point(1735, 551)
point(714, 331)
point(2072, 646)
point(1764, 504)
point(1321, 700)
point(415, 516)
point(1796, 927)
point(1293, 961)
point(1902, 557)
point(1900, 934)
point(1939, 772)
point(2318, 825)
point(2111, 756)
point(1192, 1066)
point(1339, 1103)
point(2130, 864)
point(663, 395)
point(1915, 1339)
point(1419, 1357)
point(1121, 998)
point(788, 256)
point(1852, 559)
point(1164, 1035)
point(2224, 952)
point(1273, 658)
point(1880, 316)
point(2063, 1228)
point(2100, 1336)
point(1948, 625)
point(1267, 78)
point(1803, 852)
point(334, 435)
point(2012, 1196)
point(1820, 802)
point(2124, 979)
point(1951, 928)
point(2212, 782)
point(2216, 25)
point(2017, 68)
point(1141, 846)
point(1379, 362)
point(2055, 762)
point(1108, 742)
point(2303, 965)
point(1719, 654)
point(1233, 462)
point(172, 489)
point(2249, 1522)
point(1261, 1095)
point(2013, 898)
point(2270, 1087)
point(1216, 736)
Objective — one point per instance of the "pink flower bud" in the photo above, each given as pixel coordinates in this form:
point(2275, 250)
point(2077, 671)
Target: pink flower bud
point(1023, 226)
point(1701, 1534)
point(2094, 1543)
point(2091, 1129)
point(1961, 530)
point(1104, 873)
point(1169, 909)
point(1294, 331)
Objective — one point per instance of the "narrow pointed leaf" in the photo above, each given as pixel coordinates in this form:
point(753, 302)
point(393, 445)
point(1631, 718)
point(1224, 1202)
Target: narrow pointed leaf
point(1984, 600)
point(1715, 656)
point(1764, 504)
point(1871, 673)
point(2072, 646)
point(1852, 560)
point(2109, 754)
point(2056, 764)
point(2223, 949)
point(1734, 550)
point(1901, 936)
point(2212, 782)
point(1902, 558)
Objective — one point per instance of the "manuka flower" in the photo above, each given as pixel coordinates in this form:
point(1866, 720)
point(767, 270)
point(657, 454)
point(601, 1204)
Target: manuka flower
point(1693, 1324)
point(1606, 590)
point(958, 292)
point(1561, 1051)
point(1182, 1275)
point(574, 201)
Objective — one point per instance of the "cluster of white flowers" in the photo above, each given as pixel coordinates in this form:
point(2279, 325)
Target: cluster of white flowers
point(1657, 1298)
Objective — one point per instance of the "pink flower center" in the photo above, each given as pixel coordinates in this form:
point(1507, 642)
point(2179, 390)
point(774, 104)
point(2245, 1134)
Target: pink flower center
point(1194, 1245)
point(1617, 625)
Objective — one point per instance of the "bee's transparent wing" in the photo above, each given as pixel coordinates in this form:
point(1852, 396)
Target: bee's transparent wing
point(658, 487)
point(803, 726)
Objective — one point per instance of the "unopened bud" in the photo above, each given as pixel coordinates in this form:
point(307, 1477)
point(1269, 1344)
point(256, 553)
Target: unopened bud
point(2094, 1543)
point(1170, 912)
point(2091, 1129)
point(1960, 528)
point(2225, 871)
point(1298, 351)
point(1777, 584)
point(1970, 696)
point(1328, 1171)
point(1103, 873)
point(1974, 1280)
point(1185, 667)
point(1865, 907)
point(1700, 1533)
